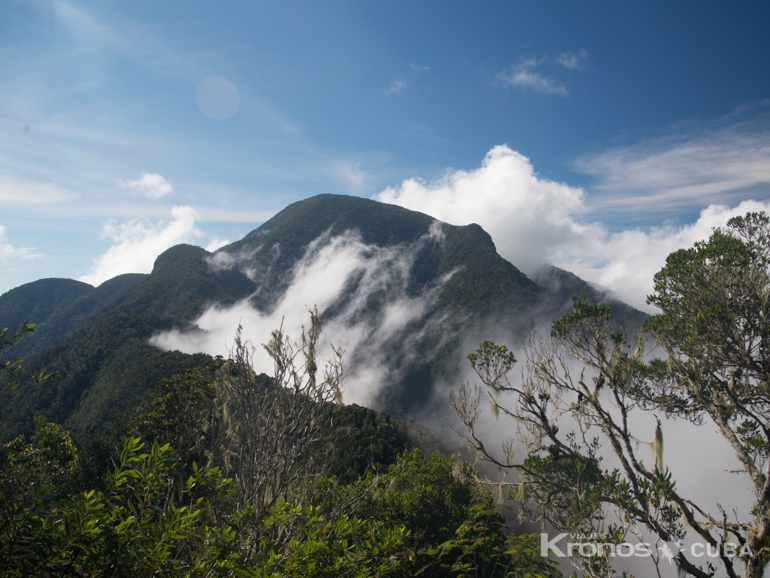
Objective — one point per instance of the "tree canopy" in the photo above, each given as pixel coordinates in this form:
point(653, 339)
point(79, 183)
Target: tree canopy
point(712, 330)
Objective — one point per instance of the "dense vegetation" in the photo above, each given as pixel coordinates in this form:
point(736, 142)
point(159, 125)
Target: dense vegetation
point(132, 461)
point(172, 498)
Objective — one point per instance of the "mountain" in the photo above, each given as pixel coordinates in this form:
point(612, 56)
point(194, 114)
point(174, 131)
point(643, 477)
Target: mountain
point(58, 307)
point(406, 295)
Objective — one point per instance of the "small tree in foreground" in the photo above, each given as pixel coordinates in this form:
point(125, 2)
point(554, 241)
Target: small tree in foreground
point(715, 331)
point(270, 435)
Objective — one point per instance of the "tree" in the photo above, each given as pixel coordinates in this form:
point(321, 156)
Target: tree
point(453, 528)
point(714, 328)
point(10, 369)
point(272, 434)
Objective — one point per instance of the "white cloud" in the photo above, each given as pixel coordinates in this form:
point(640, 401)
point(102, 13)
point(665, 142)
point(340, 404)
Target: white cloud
point(9, 253)
point(525, 78)
point(524, 75)
point(152, 185)
point(525, 215)
point(625, 262)
point(572, 60)
point(419, 67)
point(689, 166)
point(528, 74)
point(534, 221)
point(395, 87)
point(216, 244)
point(331, 267)
point(137, 243)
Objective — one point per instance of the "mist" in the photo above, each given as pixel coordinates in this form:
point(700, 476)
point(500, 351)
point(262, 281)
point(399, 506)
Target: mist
point(363, 292)
point(700, 459)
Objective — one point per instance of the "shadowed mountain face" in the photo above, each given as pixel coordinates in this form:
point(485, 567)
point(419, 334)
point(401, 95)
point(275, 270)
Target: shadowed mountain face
point(404, 294)
point(58, 307)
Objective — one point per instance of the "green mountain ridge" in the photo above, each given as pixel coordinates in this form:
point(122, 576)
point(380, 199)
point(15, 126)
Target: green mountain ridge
point(98, 337)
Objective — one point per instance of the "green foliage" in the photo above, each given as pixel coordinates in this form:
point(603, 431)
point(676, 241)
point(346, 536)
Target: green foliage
point(140, 526)
point(423, 494)
point(180, 411)
point(366, 440)
point(492, 362)
point(321, 546)
point(10, 369)
point(479, 550)
point(104, 368)
point(425, 516)
point(715, 322)
point(454, 528)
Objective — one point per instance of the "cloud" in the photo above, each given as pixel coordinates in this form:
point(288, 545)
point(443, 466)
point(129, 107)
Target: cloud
point(535, 221)
point(216, 244)
point(626, 261)
point(373, 309)
point(527, 74)
point(395, 87)
point(350, 173)
point(572, 60)
point(9, 253)
point(139, 45)
point(524, 75)
point(137, 243)
point(526, 78)
point(151, 185)
point(418, 67)
point(687, 166)
point(524, 214)
point(19, 190)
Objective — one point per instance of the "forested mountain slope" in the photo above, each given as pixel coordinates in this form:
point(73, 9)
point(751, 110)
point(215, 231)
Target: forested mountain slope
point(413, 289)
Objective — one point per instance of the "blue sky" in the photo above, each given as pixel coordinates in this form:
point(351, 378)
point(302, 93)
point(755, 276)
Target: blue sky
point(625, 129)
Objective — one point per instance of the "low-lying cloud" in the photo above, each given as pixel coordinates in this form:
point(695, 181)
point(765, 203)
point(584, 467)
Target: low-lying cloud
point(138, 242)
point(535, 221)
point(366, 285)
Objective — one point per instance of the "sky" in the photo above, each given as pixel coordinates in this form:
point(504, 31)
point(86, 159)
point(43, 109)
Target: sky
point(594, 135)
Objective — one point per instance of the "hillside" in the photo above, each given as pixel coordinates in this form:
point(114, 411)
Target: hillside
point(414, 292)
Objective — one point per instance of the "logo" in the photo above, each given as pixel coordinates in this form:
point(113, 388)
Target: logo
point(588, 546)
point(670, 550)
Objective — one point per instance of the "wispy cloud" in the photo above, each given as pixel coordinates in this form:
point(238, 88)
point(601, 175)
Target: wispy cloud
point(395, 87)
point(528, 73)
point(152, 185)
point(419, 67)
point(522, 76)
point(686, 166)
point(140, 45)
point(572, 60)
point(350, 172)
point(10, 254)
point(21, 191)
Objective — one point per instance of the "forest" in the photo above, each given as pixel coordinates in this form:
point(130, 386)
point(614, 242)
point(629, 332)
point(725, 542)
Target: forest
point(220, 471)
